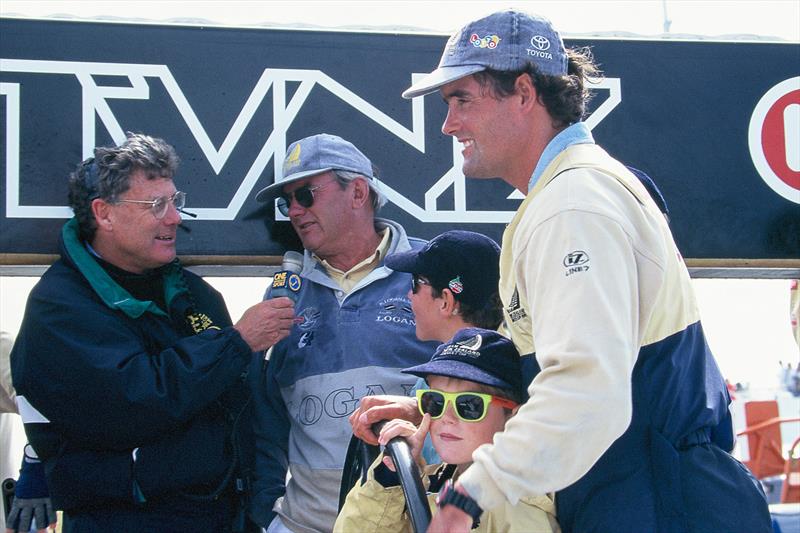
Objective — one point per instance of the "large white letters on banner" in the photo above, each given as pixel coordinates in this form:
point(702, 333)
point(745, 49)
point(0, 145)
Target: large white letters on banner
point(95, 106)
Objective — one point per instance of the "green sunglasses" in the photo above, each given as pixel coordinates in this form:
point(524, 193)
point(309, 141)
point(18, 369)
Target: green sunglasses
point(469, 406)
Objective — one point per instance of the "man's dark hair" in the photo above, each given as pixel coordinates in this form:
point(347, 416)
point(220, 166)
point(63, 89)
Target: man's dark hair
point(108, 174)
point(487, 317)
point(565, 97)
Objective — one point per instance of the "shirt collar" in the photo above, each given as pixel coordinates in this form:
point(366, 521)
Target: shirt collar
point(374, 258)
point(578, 133)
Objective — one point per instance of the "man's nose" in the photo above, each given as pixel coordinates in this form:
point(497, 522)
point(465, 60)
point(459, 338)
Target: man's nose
point(173, 216)
point(294, 207)
point(450, 124)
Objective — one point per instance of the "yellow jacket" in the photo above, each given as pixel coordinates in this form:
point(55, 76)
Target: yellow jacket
point(374, 508)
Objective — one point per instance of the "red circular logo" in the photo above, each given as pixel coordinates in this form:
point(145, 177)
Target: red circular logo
point(774, 138)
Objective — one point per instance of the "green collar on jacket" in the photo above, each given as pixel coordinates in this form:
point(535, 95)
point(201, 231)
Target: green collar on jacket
point(107, 289)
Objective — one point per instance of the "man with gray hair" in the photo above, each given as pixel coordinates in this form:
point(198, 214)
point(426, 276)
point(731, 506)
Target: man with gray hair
point(353, 333)
point(128, 371)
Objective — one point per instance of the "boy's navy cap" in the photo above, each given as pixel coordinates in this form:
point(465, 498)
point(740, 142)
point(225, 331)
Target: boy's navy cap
point(465, 262)
point(317, 154)
point(505, 41)
point(480, 355)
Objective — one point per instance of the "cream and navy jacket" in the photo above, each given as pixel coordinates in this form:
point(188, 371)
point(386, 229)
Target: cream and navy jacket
point(628, 419)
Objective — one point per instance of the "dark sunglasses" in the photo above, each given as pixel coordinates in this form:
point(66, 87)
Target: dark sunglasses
point(416, 281)
point(303, 196)
point(469, 406)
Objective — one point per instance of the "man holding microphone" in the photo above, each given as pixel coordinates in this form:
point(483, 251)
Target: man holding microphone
point(128, 371)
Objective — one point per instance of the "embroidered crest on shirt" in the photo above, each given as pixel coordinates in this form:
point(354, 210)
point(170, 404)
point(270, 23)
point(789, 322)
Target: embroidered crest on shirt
point(396, 310)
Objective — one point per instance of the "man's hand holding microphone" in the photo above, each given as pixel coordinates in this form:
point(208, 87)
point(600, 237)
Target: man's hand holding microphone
point(266, 323)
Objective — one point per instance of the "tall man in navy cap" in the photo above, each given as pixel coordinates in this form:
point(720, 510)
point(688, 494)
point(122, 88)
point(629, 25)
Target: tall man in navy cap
point(628, 419)
point(354, 332)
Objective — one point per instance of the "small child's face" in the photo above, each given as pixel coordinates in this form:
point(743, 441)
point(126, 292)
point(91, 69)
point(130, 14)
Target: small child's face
point(456, 439)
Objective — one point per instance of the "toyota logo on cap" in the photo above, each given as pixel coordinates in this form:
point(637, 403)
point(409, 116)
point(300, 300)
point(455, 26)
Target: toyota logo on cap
point(540, 43)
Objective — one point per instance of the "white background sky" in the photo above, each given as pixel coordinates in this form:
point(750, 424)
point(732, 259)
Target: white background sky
point(747, 321)
point(777, 18)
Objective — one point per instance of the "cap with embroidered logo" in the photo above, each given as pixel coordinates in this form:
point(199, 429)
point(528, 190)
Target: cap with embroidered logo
point(480, 355)
point(505, 41)
point(465, 262)
point(317, 154)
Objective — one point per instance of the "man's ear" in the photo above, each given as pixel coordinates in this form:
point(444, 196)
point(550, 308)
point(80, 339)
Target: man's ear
point(102, 214)
point(526, 90)
point(449, 305)
point(360, 192)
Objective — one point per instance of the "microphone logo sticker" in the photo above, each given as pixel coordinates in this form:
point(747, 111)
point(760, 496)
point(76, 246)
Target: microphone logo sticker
point(294, 282)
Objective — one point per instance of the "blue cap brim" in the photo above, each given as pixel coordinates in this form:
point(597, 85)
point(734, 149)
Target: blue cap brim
point(457, 369)
point(439, 77)
point(270, 192)
point(405, 262)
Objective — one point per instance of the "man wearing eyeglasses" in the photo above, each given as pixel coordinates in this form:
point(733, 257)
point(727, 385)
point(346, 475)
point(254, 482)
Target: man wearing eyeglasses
point(128, 371)
point(354, 333)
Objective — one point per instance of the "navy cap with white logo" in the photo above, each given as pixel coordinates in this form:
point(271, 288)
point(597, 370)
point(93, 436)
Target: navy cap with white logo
point(480, 355)
point(465, 262)
point(505, 41)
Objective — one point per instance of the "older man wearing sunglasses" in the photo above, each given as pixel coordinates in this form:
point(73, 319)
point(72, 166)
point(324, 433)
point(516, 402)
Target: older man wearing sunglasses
point(127, 368)
point(354, 332)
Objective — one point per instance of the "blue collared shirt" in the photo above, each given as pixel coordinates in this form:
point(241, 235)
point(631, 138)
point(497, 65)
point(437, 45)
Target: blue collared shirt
point(578, 133)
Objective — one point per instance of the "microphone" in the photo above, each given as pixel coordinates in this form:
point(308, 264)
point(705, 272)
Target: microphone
point(287, 281)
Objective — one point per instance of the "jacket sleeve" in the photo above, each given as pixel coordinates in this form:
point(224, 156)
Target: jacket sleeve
point(271, 432)
point(585, 328)
point(94, 373)
point(371, 507)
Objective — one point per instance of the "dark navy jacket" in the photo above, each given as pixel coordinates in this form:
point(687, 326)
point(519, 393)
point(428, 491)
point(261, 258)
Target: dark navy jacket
point(104, 377)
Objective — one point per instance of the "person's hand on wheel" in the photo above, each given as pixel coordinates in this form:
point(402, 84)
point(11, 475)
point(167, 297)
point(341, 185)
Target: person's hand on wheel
point(372, 409)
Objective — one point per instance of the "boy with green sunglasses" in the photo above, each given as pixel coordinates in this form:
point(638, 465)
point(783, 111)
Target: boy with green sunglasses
point(475, 386)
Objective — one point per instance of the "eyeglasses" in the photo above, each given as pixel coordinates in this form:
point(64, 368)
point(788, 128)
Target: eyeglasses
point(469, 406)
point(303, 196)
point(160, 205)
point(416, 281)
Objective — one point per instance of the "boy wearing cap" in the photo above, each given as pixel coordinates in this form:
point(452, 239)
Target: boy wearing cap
point(593, 284)
point(475, 385)
point(353, 332)
point(453, 286)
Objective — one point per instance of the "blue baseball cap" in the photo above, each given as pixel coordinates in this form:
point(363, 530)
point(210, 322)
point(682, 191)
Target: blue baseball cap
point(480, 355)
point(317, 154)
point(505, 41)
point(465, 262)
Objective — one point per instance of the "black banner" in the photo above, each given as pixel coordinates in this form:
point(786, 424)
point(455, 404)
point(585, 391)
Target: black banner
point(717, 126)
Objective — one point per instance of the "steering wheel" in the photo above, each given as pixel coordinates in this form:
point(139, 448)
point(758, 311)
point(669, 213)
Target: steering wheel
point(361, 455)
